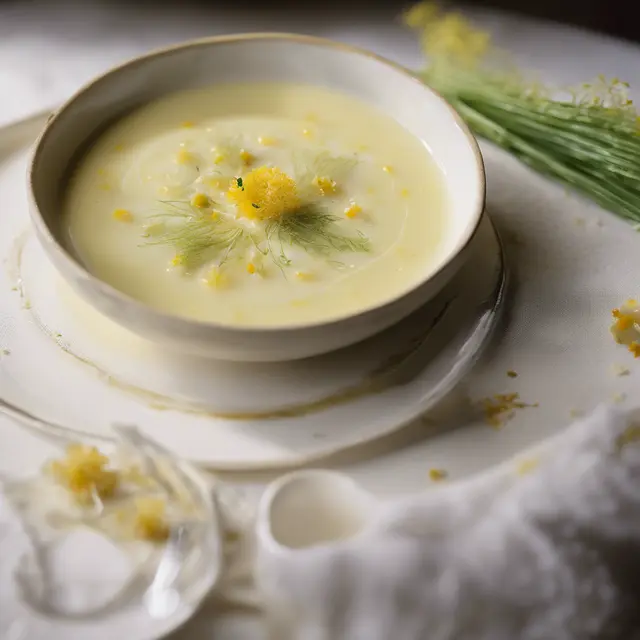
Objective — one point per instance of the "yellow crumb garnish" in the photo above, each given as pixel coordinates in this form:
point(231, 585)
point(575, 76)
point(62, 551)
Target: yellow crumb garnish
point(266, 141)
point(512, 374)
point(404, 193)
point(265, 192)
point(620, 370)
point(387, 169)
point(630, 435)
point(251, 268)
point(631, 302)
point(634, 348)
point(150, 521)
point(214, 215)
point(526, 466)
point(85, 473)
point(215, 278)
point(219, 158)
point(437, 474)
point(122, 215)
point(304, 275)
point(624, 322)
point(325, 184)
point(184, 157)
point(246, 157)
point(501, 407)
point(307, 133)
point(187, 124)
point(177, 260)
point(352, 210)
point(200, 201)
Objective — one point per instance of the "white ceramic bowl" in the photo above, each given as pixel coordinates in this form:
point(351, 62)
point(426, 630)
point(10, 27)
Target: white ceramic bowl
point(246, 58)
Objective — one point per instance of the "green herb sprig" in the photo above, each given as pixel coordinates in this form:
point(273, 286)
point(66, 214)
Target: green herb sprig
point(589, 141)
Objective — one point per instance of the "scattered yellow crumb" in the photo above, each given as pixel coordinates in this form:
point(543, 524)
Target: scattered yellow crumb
point(219, 158)
point(404, 193)
point(307, 133)
point(265, 192)
point(85, 473)
point(512, 374)
point(150, 521)
point(630, 435)
point(501, 407)
point(620, 370)
point(352, 210)
point(214, 215)
point(246, 157)
point(251, 268)
point(631, 302)
point(215, 278)
point(387, 169)
point(122, 215)
point(437, 474)
point(187, 124)
point(619, 397)
point(267, 141)
point(526, 466)
point(184, 157)
point(325, 184)
point(200, 200)
point(177, 260)
point(634, 348)
point(304, 275)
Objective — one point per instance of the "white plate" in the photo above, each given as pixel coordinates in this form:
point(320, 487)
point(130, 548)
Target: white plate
point(70, 365)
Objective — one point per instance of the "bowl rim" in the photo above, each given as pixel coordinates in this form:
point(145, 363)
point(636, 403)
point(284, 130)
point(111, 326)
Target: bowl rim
point(111, 292)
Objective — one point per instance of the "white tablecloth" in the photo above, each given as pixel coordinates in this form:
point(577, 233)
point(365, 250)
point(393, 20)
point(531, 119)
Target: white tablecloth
point(47, 50)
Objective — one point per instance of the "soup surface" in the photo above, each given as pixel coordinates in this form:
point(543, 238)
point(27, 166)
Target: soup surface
point(258, 204)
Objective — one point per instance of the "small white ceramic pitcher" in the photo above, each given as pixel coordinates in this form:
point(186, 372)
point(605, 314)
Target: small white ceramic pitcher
point(301, 510)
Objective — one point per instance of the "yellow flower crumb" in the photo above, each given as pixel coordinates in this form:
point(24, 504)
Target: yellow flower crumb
point(246, 157)
point(265, 192)
point(184, 157)
point(304, 275)
point(501, 407)
point(634, 348)
point(631, 302)
point(251, 268)
point(630, 435)
point(307, 133)
point(437, 474)
point(267, 141)
point(200, 200)
point(85, 473)
point(215, 278)
point(325, 184)
point(526, 466)
point(177, 260)
point(387, 169)
point(404, 193)
point(219, 158)
point(150, 521)
point(122, 215)
point(352, 210)
point(187, 124)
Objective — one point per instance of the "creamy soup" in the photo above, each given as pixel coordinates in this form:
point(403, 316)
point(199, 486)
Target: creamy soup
point(258, 204)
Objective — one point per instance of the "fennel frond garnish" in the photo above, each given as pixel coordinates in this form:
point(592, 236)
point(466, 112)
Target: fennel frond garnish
point(278, 218)
point(589, 139)
point(313, 229)
point(196, 236)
